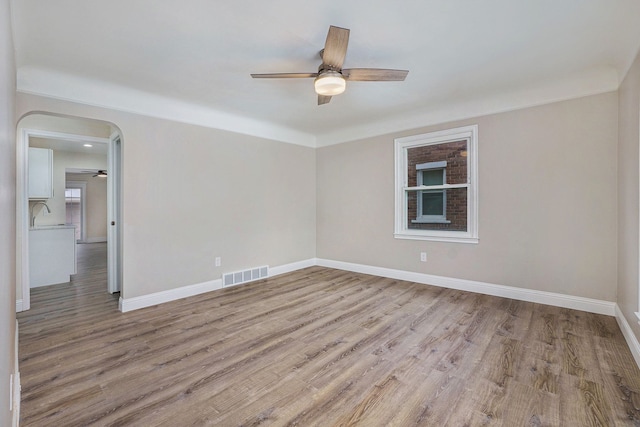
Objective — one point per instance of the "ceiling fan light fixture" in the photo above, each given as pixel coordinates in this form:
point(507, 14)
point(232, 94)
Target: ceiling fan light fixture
point(330, 83)
point(101, 174)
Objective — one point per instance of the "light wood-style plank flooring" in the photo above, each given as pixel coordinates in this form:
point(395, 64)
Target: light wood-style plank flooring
point(318, 347)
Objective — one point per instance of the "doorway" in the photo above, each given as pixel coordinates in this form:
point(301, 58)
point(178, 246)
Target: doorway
point(71, 133)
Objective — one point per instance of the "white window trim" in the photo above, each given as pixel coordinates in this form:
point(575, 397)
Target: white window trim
point(402, 231)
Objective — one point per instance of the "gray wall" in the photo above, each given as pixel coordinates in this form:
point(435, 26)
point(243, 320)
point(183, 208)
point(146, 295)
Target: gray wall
point(193, 193)
point(548, 203)
point(628, 178)
point(7, 202)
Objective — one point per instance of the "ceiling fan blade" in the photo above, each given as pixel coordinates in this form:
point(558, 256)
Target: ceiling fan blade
point(374, 74)
point(284, 75)
point(335, 48)
point(322, 99)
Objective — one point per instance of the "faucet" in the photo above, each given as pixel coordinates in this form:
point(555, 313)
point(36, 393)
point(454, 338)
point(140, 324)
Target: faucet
point(33, 217)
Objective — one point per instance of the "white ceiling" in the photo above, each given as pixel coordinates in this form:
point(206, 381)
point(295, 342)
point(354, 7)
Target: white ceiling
point(97, 148)
point(190, 60)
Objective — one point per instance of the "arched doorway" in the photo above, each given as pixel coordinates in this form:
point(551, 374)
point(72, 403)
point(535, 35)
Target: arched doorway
point(67, 134)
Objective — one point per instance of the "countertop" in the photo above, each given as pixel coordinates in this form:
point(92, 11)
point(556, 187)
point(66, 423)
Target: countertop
point(50, 227)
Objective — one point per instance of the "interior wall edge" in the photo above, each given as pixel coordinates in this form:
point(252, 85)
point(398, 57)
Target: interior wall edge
point(17, 388)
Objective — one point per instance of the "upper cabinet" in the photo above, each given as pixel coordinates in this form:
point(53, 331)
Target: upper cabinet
point(40, 173)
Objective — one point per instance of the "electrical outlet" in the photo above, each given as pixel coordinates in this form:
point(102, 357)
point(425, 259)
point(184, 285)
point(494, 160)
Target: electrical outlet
point(423, 256)
point(218, 261)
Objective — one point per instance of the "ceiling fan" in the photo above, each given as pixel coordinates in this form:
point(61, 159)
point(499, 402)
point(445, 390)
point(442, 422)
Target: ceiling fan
point(101, 173)
point(330, 80)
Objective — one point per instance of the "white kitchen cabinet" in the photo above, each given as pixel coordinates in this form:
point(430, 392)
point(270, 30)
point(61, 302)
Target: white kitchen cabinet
point(40, 173)
point(52, 255)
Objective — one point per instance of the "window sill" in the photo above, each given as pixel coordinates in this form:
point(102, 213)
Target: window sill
point(430, 221)
point(439, 238)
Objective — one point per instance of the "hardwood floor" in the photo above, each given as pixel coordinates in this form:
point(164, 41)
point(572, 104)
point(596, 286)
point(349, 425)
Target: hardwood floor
point(318, 347)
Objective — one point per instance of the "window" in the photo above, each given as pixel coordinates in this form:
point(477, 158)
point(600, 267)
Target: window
point(75, 204)
point(72, 198)
point(436, 186)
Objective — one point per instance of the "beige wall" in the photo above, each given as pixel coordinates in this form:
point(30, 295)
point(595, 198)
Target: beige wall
point(63, 160)
point(192, 193)
point(8, 204)
point(547, 218)
point(96, 204)
point(628, 177)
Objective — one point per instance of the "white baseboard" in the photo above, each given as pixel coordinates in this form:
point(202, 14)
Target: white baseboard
point(629, 336)
point(19, 306)
point(522, 294)
point(156, 298)
point(143, 301)
point(288, 268)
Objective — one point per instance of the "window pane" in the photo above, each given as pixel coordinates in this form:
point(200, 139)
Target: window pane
point(432, 177)
point(72, 193)
point(456, 210)
point(454, 153)
point(432, 203)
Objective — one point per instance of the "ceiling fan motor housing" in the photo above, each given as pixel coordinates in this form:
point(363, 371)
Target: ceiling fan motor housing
point(329, 83)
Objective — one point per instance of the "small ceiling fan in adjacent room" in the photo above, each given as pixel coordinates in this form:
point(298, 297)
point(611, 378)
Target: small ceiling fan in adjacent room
point(101, 173)
point(331, 78)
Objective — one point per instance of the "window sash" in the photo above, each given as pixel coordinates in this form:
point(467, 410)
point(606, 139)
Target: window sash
point(437, 176)
point(442, 198)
